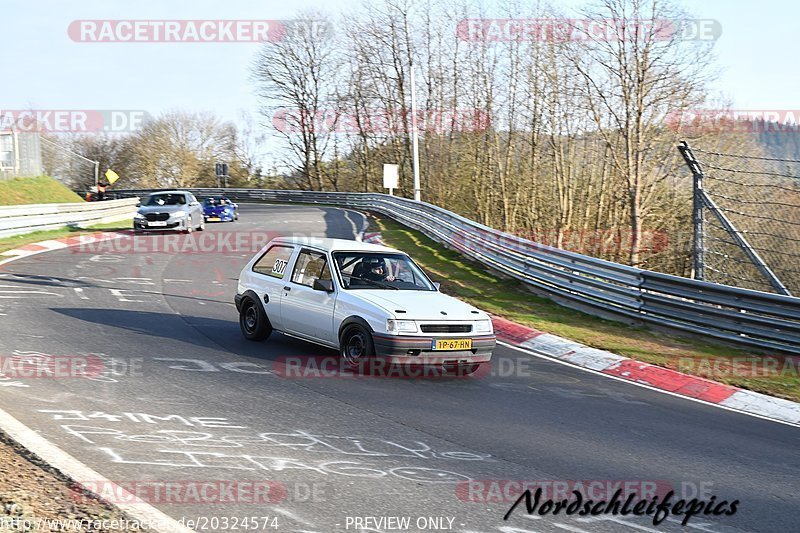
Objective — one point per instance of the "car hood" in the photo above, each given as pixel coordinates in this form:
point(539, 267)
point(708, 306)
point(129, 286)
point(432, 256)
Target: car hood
point(420, 305)
point(215, 208)
point(161, 208)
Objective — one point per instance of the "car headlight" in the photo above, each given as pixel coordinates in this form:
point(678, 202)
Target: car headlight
point(483, 326)
point(138, 215)
point(179, 214)
point(401, 326)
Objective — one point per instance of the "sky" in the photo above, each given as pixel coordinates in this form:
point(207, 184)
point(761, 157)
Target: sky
point(43, 68)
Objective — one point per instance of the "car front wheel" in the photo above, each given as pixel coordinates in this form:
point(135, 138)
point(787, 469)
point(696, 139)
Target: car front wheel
point(356, 345)
point(253, 321)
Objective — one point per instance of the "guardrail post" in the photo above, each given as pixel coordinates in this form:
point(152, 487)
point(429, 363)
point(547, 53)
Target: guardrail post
point(698, 215)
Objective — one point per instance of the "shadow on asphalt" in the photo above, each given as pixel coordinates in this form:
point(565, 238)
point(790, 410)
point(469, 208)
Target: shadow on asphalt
point(201, 331)
point(285, 354)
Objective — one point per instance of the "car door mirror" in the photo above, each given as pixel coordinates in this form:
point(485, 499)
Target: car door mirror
point(323, 285)
point(436, 285)
point(194, 203)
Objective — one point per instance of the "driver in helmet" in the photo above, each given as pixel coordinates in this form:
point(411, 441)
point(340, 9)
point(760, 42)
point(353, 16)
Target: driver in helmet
point(376, 270)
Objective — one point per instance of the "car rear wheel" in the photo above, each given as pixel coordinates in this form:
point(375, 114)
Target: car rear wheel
point(355, 345)
point(253, 321)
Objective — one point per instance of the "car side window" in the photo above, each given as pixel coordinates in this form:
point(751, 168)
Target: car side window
point(310, 266)
point(273, 263)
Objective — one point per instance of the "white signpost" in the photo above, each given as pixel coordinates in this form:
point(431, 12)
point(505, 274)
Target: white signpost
point(390, 177)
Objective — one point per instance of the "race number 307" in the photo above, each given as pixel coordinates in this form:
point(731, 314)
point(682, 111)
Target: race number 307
point(279, 267)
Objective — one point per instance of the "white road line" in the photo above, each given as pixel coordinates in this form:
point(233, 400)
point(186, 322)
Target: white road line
point(80, 294)
point(702, 526)
point(78, 471)
point(289, 514)
point(642, 385)
point(570, 528)
point(28, 292)
point(620, 522)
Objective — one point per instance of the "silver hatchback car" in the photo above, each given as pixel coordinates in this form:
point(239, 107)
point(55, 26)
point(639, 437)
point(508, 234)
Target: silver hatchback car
point(169, 211)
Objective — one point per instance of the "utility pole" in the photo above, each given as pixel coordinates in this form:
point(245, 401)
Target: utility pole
point(414, 139)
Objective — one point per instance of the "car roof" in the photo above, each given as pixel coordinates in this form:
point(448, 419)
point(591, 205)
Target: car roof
point(336, 245)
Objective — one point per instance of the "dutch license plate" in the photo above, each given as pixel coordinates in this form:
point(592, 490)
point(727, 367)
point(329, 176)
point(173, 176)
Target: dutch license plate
point(157, 223)
point(451, 344)
point(214, 219)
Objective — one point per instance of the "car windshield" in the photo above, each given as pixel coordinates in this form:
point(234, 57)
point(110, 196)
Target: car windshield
point(215, 201)
point(166, 199)
point(370, 270)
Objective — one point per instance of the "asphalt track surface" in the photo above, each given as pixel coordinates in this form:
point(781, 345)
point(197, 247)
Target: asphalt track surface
point(183, 398)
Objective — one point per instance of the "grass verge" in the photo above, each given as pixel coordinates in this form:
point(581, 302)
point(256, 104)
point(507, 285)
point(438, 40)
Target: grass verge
point(39, 190)
point(510, 299)
point(15, 241)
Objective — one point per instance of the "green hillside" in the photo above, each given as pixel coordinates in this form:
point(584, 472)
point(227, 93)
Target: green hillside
point(40, 190)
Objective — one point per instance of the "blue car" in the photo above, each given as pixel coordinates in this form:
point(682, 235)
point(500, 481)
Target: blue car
point(220, 209)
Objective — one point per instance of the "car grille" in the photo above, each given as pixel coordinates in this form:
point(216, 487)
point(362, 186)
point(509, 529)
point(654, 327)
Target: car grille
point(152, 217)
point(446, 328)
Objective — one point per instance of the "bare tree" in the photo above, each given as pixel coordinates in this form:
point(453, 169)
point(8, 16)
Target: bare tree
point(632, 79)
point(298, 73)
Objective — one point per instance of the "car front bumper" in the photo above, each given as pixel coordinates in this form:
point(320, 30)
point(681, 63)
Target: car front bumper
point(417, 350)
point(219, 217)
point(144, 225)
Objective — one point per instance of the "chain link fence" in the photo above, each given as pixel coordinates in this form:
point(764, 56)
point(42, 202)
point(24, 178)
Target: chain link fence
point(749, 217)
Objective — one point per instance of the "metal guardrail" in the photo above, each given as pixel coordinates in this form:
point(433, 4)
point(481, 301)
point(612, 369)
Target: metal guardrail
point(753, 318)
point(19, 219)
